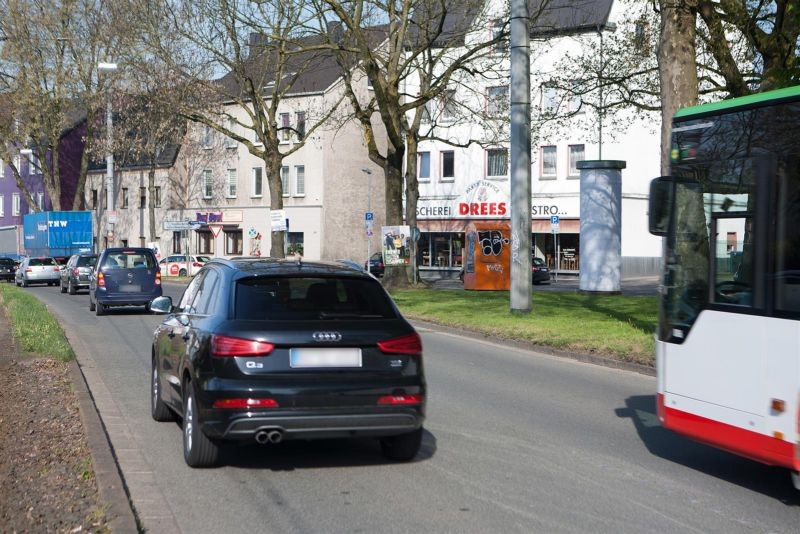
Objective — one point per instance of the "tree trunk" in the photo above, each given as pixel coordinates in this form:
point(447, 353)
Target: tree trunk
point(273, 168)
point(54, 187)
point(394, 276)
point(412, 198)
point(677, 66)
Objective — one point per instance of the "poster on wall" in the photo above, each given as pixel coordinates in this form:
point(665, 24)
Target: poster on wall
point(396, 245)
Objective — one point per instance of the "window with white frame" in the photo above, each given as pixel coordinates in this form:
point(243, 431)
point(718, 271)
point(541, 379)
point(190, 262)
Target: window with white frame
point(208, 184)
point(448, 165)
point(285, 181)
point(157, 196)
point(299, 180)
point(2, 205)
point(207, 137)
point(15, 208)
point(94, 199)
point(575, 103)
point(576, 153)
point(497, 31)
point(40, 201)
point(497, 162)
point(257, 184)
point(230, 142)
point(548, 161)
point(232, 179)
point(18, 163)
point(34, 164)
point(256, 138)
point(124, 198)
point(233, 242)
point(549, 100)
point(424, 166)
point(300, 124)
point(497, 100)
point(2, 168)
point(286, 133)
point(449, 105)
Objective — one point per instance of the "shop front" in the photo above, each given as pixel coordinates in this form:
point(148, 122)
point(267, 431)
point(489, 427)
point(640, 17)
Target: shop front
point(443, 224)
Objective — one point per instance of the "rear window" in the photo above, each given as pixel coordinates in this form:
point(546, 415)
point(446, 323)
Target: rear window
point(7, 261)
point(129, 260)
point(295, 298)
point(40, 262)
point(87, 261)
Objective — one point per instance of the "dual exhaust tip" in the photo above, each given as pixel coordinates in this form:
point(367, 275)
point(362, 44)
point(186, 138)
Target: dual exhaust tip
point(269, 436)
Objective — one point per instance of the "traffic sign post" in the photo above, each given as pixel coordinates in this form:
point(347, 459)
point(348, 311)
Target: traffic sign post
point(555, 222)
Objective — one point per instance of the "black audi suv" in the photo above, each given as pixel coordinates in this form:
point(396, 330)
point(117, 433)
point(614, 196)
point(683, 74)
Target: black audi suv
point(269, 350)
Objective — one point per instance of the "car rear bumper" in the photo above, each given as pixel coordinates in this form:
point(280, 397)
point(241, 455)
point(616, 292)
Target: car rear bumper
point(42, 278)
point(244, 426)
point(125, 299)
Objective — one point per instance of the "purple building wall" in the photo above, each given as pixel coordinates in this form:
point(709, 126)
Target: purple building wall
point(70, 149)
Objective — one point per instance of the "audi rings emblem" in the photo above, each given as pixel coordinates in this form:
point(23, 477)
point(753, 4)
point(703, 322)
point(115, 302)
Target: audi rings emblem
point(326, 336)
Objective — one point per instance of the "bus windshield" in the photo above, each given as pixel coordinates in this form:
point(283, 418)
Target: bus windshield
point(734, 235)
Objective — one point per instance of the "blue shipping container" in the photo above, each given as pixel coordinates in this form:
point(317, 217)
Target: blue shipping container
point(57, 233)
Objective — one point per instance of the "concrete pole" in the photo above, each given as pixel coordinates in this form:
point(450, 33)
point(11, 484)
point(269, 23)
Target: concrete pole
point(520, 159)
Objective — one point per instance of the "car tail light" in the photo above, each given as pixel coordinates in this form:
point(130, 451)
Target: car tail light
point(101, 280)
point(76, 272)
point(55, 268)
point(195, 264)
point(28, 270)
point(245, 403)
point(234, 346)
point(410, 344)
point(400, 399)
point(158, 278)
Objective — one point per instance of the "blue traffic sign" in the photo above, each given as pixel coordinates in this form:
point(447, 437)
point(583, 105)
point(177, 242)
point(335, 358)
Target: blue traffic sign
point(368, 216)
point(554, 219)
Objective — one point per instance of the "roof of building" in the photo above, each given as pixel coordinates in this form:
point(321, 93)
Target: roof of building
point(559, 17)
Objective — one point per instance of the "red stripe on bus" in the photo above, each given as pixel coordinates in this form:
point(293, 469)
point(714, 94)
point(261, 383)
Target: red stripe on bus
point(752, 445)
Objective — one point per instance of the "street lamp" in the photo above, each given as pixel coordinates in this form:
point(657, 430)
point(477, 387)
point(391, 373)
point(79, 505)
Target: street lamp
point(368, 172)
point(109, 67)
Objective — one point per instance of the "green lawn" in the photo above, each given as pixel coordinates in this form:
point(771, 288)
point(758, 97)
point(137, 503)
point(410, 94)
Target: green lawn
point(37, 332)
point(618, 326)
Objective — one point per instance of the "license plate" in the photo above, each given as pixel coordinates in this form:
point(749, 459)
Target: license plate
point(543, 270)
point(333, 357)
point(130, 288)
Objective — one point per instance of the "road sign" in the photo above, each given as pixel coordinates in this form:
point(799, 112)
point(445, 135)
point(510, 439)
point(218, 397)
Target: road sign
point(176, 226)
point(415, 233)
point(278, 220)
point(369, 216)
point(554, 223)
point(215, 229)
point(112, 217)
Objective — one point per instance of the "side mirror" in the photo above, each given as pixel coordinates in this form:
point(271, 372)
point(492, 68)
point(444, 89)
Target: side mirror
point(161, 305)
point(662, 191)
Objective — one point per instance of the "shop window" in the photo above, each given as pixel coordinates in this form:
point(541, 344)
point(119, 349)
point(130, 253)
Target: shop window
point(205, 242)
point(233, 242)
point(294, 243)
point(442, 250)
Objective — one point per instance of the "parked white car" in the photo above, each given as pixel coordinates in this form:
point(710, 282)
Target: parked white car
point(182, 265)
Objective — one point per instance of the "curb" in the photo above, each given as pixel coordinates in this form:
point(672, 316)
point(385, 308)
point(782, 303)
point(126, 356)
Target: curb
point(109, 480)
point(525, 345)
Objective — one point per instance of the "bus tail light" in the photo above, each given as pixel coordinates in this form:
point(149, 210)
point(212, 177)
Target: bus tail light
point(660, 407)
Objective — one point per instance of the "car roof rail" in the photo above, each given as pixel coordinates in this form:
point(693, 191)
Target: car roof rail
point(222, 261)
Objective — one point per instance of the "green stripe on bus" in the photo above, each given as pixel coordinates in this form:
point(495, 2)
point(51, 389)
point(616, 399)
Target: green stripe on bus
point(757, 98)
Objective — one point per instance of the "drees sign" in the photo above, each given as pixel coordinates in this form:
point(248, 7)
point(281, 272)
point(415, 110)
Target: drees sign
point(485, 199)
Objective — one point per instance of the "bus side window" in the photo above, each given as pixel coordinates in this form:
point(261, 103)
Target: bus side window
point(787, 239)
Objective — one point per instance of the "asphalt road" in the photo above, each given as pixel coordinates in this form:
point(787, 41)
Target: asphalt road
point(516, 442)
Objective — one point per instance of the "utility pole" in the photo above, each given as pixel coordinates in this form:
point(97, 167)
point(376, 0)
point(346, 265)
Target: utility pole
point(520, 159)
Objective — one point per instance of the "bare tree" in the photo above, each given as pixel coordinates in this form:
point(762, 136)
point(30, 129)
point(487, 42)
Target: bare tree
point(411, 52)
point(258, 50)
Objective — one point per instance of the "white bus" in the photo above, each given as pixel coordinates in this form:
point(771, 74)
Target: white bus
point(728, 347)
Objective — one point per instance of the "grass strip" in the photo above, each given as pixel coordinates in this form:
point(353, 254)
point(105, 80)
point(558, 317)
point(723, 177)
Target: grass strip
point(36, 330)
point(616, 326)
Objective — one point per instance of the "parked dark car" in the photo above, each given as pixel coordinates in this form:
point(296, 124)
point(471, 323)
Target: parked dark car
point(77, 273)
point(376, 266)
point(7, 269)
point(37, 271)
point(268, 350)
point(539, 271)
point(124, 277)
